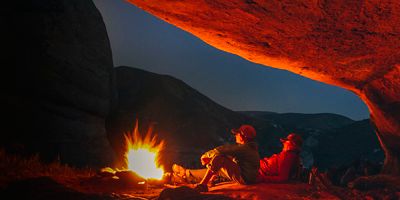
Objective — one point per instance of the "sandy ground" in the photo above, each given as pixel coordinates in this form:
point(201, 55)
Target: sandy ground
point(49, 188)
point(95, 188)
point(270, 191)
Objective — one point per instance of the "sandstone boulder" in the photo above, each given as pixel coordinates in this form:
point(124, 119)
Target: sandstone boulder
point(58, 79)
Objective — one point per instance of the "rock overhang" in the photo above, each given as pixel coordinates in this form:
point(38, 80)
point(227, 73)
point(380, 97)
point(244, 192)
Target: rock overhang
point(350, 44)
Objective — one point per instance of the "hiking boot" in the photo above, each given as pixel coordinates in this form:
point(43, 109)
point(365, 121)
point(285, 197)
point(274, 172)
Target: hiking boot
point(179, 170)
point(201, 188)
point(167, 177)
point(178, 180)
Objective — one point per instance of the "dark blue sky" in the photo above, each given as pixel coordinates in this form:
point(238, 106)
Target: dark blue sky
point(143, 41)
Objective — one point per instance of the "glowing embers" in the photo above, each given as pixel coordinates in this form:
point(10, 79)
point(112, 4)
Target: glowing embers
point(142, 154)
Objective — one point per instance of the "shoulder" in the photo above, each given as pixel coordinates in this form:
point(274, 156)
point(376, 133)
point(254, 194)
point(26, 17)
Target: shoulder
point(289, 154)
point(251, 144)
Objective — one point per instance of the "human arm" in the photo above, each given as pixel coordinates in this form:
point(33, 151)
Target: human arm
point(229, 150)
point(286, 162)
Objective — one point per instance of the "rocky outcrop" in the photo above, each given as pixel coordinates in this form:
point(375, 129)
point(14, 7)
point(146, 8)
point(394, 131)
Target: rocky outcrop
point(351, 44)
point(58, 78)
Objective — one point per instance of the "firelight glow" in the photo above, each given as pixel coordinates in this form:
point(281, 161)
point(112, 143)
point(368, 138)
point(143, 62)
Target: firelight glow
point(142, 154)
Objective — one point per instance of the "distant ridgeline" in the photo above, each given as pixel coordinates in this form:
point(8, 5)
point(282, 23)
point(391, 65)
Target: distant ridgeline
point(191, 123)
point(330, 140)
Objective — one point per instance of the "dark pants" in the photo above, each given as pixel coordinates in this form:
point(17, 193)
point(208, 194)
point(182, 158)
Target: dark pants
point(221, 166)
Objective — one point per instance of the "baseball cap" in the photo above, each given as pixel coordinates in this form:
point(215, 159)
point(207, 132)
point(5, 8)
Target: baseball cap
point(295, 138)
point(246, 131)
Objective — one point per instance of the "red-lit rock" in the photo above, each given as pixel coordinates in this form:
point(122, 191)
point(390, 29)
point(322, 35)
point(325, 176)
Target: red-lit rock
point(351, 44)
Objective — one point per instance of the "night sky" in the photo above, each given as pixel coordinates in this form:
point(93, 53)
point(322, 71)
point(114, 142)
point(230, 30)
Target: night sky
point(143, 41)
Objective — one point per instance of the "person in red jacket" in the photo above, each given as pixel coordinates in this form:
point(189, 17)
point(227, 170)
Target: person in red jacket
point(279, 167)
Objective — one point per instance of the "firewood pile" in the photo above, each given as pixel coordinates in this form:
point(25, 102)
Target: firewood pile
point(124, 179)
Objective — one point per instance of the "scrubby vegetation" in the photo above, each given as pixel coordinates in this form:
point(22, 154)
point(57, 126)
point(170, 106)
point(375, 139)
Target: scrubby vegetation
point(15, 167)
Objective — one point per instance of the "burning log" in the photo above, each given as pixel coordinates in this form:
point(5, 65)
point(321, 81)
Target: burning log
point(130, 178)
point(142, 168)
point(106, 173)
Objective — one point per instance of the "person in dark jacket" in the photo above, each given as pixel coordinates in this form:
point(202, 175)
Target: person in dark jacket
point(237, 162)
point(279, 167)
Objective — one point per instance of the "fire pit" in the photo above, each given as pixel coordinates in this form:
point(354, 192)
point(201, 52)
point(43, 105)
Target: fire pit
point(129, 179)
point(142, 154)
point(141, 162)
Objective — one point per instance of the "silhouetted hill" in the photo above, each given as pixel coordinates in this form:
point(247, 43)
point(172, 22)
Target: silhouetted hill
point(349, 143)
point(303, 121)
point(188, 121)
point(191, 123)
point(329, 139)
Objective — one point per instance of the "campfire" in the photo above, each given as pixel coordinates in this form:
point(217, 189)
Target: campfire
point(142, 154)
point(141, 161)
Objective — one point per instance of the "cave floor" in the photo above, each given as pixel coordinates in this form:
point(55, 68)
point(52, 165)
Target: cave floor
point(90, 189)
point(95, 188)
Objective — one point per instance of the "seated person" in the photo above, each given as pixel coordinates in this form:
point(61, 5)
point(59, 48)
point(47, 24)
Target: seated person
point(237, 162)
point(278, 167)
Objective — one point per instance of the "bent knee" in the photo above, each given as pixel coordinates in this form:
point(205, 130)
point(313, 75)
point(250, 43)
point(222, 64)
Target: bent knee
point(219, 162)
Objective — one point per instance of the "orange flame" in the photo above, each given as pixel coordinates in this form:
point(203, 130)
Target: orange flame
point(142, 154)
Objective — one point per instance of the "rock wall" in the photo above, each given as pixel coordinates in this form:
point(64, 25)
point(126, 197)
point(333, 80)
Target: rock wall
point(58, 79)
point(351, 44)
